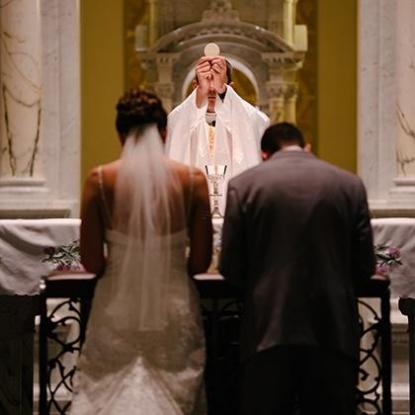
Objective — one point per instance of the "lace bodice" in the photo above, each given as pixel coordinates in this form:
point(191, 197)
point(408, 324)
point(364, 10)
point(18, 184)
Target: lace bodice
point(116, 243)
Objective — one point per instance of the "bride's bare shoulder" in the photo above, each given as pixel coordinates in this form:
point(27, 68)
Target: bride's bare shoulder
point(185, 171)
point(103, 174)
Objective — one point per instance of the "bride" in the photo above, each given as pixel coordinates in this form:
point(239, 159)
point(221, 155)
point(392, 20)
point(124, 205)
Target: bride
point(144, 349)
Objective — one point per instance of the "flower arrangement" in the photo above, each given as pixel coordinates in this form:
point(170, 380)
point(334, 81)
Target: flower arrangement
point(64, 257)
point(387, 258)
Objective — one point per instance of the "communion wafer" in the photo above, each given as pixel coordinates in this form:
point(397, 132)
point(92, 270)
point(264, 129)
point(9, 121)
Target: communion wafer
point(212, 49)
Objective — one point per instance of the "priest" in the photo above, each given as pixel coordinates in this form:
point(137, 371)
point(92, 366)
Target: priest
point(214, 125)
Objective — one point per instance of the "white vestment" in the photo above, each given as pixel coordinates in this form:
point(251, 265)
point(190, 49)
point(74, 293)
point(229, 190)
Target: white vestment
point(238, 130)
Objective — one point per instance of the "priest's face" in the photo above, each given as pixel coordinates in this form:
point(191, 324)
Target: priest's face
point(211, 99)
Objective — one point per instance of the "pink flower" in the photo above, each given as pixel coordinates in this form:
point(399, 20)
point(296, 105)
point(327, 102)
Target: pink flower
point(382, 269)
point(394, 252)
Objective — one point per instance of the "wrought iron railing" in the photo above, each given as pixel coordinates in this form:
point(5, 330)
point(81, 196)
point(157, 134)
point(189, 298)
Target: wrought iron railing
point(374, 392)
point(55, 374)
point(407, 308)
point(221, 309)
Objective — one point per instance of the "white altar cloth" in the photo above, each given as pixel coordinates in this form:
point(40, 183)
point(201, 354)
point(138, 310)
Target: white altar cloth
point(24, 243)
point(398, 233)
point(27, 249)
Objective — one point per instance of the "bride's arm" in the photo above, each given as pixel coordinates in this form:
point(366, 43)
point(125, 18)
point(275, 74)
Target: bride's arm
point(92, 226)
point(200, 227)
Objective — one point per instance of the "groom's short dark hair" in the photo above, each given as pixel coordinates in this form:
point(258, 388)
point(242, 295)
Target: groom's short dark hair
point(280, 135)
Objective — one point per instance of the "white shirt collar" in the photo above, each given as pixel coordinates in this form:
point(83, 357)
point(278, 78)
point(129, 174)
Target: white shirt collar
point(294, 147)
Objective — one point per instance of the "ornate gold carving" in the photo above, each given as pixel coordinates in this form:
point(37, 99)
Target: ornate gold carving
point(220, 10)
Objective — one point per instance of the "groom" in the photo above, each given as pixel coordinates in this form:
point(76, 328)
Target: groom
point(297, 239)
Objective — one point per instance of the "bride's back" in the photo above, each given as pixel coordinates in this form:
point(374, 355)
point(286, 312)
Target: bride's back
point(118, 195)
point(144, 346)
point(144, 195)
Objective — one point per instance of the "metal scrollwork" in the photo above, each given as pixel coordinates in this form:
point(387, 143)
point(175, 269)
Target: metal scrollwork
point(221, 312)
point(64, 342)
point(370, 365)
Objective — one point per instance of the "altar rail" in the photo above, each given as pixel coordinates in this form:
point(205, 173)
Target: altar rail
point(221, 308)
point(407, 308)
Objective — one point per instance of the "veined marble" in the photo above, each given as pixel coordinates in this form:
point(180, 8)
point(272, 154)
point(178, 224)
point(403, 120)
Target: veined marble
point(386, 124)
point(20, 88)
point(40, 115)
point(405, 106)
point(386, 149)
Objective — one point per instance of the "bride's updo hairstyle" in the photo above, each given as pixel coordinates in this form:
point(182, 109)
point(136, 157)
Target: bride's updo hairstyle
point(137, 108)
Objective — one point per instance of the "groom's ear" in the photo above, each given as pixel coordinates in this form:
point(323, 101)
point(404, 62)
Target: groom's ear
point(265, 155)
point(163, 135)
point(122, 137)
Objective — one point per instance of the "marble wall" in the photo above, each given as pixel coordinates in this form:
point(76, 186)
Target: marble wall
point(386, 109)
point(39, 109)
point(386, 136)
point(405, 103)
point(20, 89)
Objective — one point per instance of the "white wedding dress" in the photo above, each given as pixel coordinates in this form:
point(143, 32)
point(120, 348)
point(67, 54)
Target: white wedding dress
point(126, 371)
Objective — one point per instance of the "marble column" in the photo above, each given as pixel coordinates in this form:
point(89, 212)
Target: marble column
point(164, 87)
point(291, 102)
point(282, 85)
point(405, 104)
point(153, 23)
point(39, 108)
point(386, 110)
point(276, 100)
point(288, 12)
point(386, 143)
point(21, 92)
point(165, 93)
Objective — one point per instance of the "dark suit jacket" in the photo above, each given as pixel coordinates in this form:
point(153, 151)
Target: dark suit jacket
point(297, 238)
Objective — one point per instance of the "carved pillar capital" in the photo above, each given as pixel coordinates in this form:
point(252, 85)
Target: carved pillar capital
point(283, 65)
point(291, 91)
point(291, 94)
point(276, 89)
point(282, 98)
point(276, 99)
point(222, 10)
point(165, 92)
point(165, 63)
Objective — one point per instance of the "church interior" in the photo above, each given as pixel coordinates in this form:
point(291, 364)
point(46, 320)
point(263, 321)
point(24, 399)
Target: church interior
point(342, 71)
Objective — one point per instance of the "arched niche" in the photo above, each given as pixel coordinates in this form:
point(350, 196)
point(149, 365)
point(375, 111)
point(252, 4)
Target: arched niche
point(267, 60)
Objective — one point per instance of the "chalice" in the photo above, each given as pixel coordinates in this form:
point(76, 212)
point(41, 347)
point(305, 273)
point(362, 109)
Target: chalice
point(216, 175)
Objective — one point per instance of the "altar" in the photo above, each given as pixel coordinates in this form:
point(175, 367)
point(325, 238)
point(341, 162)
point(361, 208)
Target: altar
point(30, 249)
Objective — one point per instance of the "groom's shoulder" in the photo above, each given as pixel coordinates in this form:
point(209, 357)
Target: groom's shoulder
point(246, 178)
